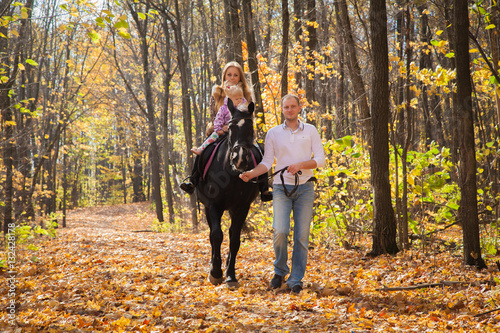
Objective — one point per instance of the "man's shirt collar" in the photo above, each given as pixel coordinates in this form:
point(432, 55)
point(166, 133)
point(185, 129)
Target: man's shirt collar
point(301, 126)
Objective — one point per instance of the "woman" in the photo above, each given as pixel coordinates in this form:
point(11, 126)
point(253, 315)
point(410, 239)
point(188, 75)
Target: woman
point(232, 74)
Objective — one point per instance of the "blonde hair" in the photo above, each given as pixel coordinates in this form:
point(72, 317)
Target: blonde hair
point(219, 91)
point(232, 91)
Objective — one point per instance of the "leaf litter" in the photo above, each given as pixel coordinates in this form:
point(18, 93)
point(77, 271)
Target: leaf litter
point(101, 275)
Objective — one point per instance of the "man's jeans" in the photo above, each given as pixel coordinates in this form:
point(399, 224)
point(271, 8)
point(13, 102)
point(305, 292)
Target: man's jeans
point(301, 203)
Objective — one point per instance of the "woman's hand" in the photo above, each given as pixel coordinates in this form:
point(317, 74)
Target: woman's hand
point(219, 133)
point(225, 128)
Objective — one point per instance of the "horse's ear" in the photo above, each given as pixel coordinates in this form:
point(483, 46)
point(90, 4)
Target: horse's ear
point(251, 107)
point(230, 106)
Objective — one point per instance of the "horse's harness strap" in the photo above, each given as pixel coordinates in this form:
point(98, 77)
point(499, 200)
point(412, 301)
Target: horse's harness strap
point(281, 171)
point(209, 162)
point(289, 194)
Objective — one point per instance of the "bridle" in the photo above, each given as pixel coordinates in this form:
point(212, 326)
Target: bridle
point(281, 171)
point(247, 151)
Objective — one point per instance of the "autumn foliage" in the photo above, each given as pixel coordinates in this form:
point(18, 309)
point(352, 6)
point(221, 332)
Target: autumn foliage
point(101, 101)
point(106, 273)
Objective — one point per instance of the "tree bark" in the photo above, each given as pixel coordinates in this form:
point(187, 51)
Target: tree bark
point(298, 12)
point(150, 112)
point(355, 73)
point(253, 66)
point(167, 78)
point(311, 45)
point(467, 177)
point(233, 40)
point(341, 119)
point(493, 35)
point(285, 27)
point(384, 223)
point(182, 59)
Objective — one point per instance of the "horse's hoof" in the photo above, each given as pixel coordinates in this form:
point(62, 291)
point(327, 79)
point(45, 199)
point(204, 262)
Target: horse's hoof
point(215, 281)
point(232, 283)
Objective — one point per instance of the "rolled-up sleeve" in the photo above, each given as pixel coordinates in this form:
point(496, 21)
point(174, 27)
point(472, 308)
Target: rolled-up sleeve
point(268, 158)
point(317, 149)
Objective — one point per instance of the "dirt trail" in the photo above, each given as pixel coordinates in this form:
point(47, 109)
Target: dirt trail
point(101, 275)
point(126, 217)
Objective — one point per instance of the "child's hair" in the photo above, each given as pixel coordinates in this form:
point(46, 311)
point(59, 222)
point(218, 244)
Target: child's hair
point(232, 91)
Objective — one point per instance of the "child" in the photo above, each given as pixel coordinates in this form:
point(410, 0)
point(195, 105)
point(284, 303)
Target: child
point(235, 93)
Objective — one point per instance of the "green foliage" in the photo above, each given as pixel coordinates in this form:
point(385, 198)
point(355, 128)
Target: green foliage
point(165, 226)
point(26, 233)
point(343, 207)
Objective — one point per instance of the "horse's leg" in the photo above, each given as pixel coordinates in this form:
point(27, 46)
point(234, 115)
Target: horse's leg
point(214, 216)
point(237, 220)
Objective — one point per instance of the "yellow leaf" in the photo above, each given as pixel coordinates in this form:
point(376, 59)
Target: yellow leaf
point(157, 313)
point(122, 322)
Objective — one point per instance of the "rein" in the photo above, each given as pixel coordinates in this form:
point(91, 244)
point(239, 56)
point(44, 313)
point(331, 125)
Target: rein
point(281, 172)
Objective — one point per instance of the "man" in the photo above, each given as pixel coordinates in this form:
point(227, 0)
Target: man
point(297, 146)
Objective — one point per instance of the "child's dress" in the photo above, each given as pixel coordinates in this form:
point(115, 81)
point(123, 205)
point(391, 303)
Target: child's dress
point(221, 119)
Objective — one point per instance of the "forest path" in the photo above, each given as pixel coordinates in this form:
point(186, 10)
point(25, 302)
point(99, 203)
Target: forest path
point(101, 274)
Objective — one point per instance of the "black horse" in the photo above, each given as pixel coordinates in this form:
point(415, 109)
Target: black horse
point(221, 189)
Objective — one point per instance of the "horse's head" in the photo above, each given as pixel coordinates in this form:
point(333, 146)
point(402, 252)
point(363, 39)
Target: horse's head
point(240, 138)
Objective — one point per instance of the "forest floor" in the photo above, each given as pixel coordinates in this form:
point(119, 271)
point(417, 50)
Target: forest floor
point(104, 273)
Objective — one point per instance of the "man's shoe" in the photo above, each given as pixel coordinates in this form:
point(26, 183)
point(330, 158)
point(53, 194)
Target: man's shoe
point(266, 196)
point(277, 281)
point(296, 289)
point(187, 186)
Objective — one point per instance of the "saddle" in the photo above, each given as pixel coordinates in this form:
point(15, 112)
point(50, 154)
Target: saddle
point(206, 157)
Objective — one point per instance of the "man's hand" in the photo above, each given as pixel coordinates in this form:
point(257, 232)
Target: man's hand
point(294, 168)
point(255, 172)
point(247, 175)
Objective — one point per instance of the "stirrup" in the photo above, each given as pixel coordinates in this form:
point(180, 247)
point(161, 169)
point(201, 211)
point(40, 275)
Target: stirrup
point(187, 185)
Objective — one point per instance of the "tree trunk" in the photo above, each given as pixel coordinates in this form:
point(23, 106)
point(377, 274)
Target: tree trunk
point(137, 179)
point(167, 77)
point(451, 112)
point(409, 128)
point(150, 113)
point(182, 59)
point(214, 42)
point(65, 182)
point(233, 39)
point(341, 120)
point(493, 35)
point(298, 12)
point(467, 179)
point(384, 223)
point(431, 106)
point(311, 46)
point(285, 27)
point(253, 66)
point(355, 73)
